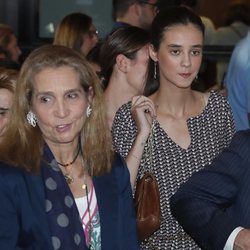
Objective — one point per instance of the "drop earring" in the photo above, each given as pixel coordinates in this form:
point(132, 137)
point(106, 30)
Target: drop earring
point(155, 70)
point(89, 111)
point(31, 118)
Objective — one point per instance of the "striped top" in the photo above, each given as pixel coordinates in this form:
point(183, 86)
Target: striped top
point(172, 165)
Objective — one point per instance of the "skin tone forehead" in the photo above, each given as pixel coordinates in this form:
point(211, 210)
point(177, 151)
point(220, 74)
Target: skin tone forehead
point(52, 79)
point(182, 34)
point(5, 98)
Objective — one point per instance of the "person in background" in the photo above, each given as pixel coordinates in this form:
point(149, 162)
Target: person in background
point(10, 51)
point(61, 185)
point(8, 78)
point(93, 58)
point(237, 82)
point(78, 32)
point(208, 23)
point(124, 61)
point(236, 28)
point(175, 131)
point(139, 13)
point(213, 206)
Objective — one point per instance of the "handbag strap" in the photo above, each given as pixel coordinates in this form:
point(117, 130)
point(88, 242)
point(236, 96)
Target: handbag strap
point(149, 150)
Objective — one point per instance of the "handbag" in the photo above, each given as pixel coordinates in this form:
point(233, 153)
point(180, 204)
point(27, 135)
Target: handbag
point(147, 203)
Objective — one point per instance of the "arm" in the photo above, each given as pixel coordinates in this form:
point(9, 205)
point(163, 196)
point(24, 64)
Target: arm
point(202, 204)
point(143, 112)
point(128, 142)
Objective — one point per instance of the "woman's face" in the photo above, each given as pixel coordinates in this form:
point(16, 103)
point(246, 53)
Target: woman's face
point(14, 49)
point(6, 101)
point(59, 103)
point(137, 69)
point(179, 56)
point(90, 40)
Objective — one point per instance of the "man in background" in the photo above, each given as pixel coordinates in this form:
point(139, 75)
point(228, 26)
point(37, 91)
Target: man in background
point(139, 13)
point(237, 82)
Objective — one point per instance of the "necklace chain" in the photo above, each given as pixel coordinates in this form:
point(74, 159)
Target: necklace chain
point(68, 164)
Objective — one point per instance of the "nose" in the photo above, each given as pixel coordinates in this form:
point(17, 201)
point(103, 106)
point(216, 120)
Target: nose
point(61, 109)
point(186, 61)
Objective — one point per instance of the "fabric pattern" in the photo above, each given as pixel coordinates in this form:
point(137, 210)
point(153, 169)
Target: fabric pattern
point(62, 212)
point(172, 165)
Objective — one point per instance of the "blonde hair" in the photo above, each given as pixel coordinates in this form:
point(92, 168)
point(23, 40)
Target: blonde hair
point(8, 79)
point(27, 143)
point(71, 29)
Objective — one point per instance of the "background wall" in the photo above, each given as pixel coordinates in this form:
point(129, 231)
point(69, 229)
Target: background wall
point(215, 9)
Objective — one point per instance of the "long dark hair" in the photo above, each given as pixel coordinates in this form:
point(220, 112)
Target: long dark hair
point(165, 19)
point(126, 41)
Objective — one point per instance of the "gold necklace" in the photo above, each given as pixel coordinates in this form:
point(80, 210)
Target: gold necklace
point(68, 177)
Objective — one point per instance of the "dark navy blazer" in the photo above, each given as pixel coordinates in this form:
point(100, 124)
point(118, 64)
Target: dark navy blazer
point(23, 222)
point(216, 200)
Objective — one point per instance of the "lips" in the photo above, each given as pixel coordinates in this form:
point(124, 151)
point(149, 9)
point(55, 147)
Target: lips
point(185, 75)
point(62, 128)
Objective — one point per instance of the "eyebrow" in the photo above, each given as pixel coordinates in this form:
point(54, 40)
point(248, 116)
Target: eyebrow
point(179, 46)
point(52, 93)
point(4, 109)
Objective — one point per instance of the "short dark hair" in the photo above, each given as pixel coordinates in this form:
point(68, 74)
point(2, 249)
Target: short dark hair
point(120, 7)
point(190, 3)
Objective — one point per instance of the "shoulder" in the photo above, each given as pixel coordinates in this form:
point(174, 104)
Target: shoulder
point(123, 120)
point(124, 111)
point(217, 99)
point(10, 173)
point(12, 183)
point(207, 22)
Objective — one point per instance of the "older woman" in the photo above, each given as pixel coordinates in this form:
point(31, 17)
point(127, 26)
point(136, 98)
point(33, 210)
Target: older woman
point(59, 166)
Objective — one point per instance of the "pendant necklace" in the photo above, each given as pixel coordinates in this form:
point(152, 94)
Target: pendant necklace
point(68, 177)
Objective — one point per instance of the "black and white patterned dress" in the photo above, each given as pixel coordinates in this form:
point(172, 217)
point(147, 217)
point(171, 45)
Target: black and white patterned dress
point(172, 165)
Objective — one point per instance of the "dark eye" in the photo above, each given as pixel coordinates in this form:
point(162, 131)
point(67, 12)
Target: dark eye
point(175, 52)
point(44, 99)
point(4, 112)
point(72, 95)
point(196, 52)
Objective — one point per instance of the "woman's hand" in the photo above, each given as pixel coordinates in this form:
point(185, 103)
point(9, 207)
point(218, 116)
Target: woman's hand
point(143, 112)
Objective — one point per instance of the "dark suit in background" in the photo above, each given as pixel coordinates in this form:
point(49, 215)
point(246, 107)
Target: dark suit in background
point(216, 200)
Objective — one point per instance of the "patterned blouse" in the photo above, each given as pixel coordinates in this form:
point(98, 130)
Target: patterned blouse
point(172, 165)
